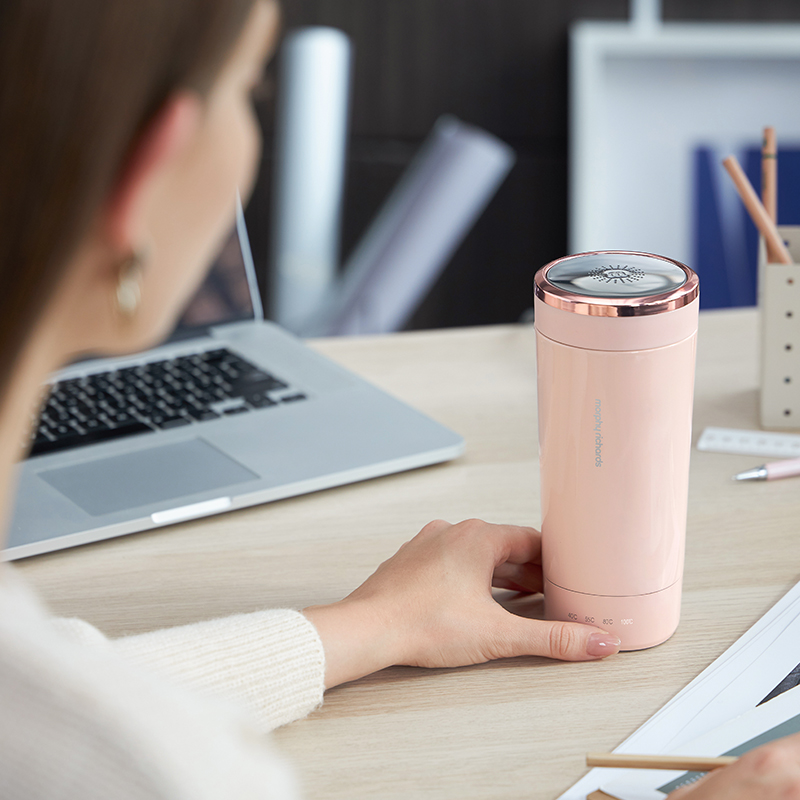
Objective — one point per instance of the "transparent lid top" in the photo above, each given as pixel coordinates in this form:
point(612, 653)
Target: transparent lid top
point(616, 283)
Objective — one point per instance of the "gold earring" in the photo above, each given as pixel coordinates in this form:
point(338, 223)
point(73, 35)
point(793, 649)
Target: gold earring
point(129, 286)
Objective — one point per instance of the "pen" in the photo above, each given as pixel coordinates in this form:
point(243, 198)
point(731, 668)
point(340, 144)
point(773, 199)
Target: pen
point(683, 763)
point(770, 472)
point(758, 213)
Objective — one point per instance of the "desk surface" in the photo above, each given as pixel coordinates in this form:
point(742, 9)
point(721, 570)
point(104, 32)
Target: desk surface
point(511, 729)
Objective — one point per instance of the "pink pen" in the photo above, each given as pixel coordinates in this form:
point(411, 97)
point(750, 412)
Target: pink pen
point(788, 468)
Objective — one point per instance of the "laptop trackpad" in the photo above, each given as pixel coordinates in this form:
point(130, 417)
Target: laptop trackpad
point(146, 477)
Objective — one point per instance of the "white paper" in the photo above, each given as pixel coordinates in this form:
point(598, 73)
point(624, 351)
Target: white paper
point(769, 648)
point(778, 717)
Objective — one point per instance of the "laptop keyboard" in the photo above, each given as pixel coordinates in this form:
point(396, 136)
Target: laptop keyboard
point(159, 395)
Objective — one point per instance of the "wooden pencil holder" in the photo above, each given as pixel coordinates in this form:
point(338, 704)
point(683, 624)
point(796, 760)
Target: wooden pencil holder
point(779, 307)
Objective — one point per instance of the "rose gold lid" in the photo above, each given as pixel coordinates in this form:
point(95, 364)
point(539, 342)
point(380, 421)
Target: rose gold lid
point(616, 283)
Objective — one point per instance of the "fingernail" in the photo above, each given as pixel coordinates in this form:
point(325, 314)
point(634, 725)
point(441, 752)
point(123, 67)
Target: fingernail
point(603, 644)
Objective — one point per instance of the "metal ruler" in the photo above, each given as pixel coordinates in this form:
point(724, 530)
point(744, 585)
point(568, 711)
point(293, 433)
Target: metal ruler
point(750, 443)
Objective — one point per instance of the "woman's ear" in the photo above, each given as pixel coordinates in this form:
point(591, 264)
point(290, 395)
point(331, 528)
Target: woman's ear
point(158, 145)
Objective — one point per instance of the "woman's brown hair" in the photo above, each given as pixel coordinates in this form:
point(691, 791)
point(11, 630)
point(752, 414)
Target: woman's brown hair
point(78, 80)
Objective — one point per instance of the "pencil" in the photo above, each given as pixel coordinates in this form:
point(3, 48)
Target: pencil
point(769, 180)
point(758, 213)
point(683, 763)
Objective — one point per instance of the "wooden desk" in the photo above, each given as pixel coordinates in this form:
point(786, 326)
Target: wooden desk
point(513, 729)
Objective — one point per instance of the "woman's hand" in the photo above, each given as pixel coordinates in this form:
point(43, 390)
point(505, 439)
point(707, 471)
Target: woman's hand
point(771, 772)
point(431, 605)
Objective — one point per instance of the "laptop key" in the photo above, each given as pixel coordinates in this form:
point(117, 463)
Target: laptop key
point(42, 446)
point(162, 394)
point(121, 418)
point(95, 424)
point(260, 401)
point(203, 414)
point(41, 441)
point(257, 386)
point(212, 356)
point(170, 421)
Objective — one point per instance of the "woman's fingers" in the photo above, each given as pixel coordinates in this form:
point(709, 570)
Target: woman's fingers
point(518, 577)
point(515, 544)
point(513, 635)
point(770, 772)
point(511, 586)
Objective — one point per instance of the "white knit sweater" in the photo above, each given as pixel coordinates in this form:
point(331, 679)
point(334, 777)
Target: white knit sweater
point(178, 713)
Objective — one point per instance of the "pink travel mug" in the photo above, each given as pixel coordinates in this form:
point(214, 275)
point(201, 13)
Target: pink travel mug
point(615, 350)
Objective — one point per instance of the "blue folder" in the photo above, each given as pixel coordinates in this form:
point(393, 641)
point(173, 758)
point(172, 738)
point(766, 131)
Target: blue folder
point(725, 241)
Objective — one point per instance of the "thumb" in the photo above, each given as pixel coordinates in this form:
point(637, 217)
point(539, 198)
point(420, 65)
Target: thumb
point(566, 641)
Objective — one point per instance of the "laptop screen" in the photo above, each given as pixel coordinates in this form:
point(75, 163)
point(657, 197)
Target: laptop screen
point(225, 295)
point(228, 294)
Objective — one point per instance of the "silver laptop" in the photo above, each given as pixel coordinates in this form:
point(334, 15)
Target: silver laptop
point(231, 411)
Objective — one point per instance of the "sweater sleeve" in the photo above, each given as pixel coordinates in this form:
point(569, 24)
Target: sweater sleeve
point(271, 661)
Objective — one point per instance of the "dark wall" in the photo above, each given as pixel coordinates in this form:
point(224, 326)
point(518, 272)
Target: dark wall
point(499, 64)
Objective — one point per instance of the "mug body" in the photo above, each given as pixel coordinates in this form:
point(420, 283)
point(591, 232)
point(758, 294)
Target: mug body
point(615, 343)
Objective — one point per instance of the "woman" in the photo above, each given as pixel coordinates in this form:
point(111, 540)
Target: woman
point(126, 128)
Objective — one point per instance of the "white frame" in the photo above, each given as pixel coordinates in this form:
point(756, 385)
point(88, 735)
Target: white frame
point(644, 203)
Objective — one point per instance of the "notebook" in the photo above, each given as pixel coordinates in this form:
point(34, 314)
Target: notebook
point(229, 412)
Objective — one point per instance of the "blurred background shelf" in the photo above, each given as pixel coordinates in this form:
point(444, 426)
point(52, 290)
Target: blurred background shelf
point(499, 64)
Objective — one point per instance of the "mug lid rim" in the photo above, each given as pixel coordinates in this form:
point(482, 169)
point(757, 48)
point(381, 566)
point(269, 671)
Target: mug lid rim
point(575, 302)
